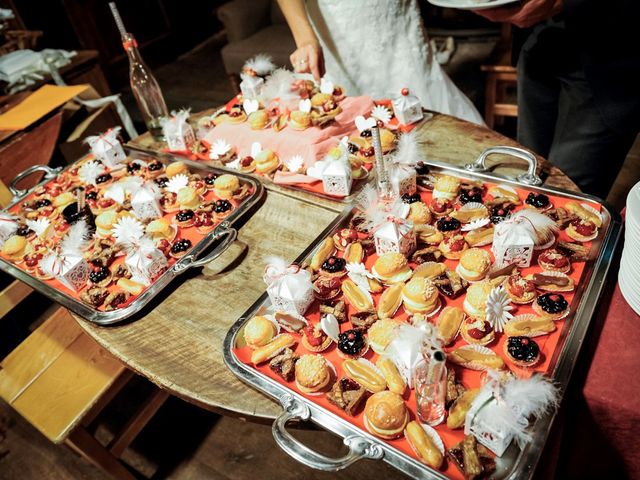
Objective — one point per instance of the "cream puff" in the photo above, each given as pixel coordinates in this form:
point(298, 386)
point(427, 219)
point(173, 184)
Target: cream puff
point(188, 198)
point(381, 333)
point(386, 415)
point(392, 268)
point(160, 229)
point(104, 223)
point(258, 119)
point(446, 187)
point(259, 331)
point(474, 264)
point(419, 213)
point(312, 373)
point(299, 120)
point(266, 162)
point(226, 185)
point(475, 302)
point(177, 168)
point(420, 295)
point(453, 246)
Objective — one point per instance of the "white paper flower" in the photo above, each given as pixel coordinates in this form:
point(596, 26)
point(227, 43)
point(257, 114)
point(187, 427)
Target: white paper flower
point(76, 238)
point(381, 113)
point(305, 105)
point(219, 148)
point(326, 85)
point(250, 106)
point(329, 325)
point(295, 164)
point(363, 124)
point(41, 227)
point(256, 148)
point(90, 171)
point(499, 308)
point(116, 192)
point(128, 230)
point(177, 182)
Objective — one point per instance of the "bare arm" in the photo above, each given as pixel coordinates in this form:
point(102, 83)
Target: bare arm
point(308, 56)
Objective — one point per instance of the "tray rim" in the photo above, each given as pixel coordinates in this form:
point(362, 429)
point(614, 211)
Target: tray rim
point(522, 463)
point(115, 316)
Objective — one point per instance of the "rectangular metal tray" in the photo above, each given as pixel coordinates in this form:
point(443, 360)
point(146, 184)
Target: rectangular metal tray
point(219, 239)
point(515, 463)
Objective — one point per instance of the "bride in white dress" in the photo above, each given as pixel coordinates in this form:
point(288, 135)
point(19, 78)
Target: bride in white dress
point(375, 48)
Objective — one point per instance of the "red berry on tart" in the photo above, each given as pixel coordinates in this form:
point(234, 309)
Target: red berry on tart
point(326, 288)
point(519, 289)
point(314, 338)
point(204, 222)
point(344, 237)
point(477, 331)
point(582, 230)
point(554, 261)
point(453, 246)
point(440, 207)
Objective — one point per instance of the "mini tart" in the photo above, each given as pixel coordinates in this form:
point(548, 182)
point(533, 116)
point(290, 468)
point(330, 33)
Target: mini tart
point(539, 201)
point(448, 225)
point(299, 120)
point(154, 169)
point(210, 180)
point(326, 288)
point(247, 164)
point(222, 208)
point(204, 222)
point(312, 373)
point(344, 237)
point(180, 248)
point(453, 247)
point(169, 202)
point(102, 205)
point(522, 351)
point(477, 331)
point(582, 230)
point(314, 339)
point(554, 261)
point(519, 289)
point(440, 207)
point(236, 115)
point(474, 264)
point(333, 267)
point(32, 262)
point(470, 194)
point(352, 344)
point(552, 306)
point(185, 218)
point(100, 277)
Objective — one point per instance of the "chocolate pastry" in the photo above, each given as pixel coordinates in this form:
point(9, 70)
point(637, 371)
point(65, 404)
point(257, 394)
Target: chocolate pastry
point(368, 245)
point(358, 223)
point(284, 364)
point(429, 254)
point(181, 245)
point(99, 274)
point(363, 320)
point(339, 310)
point(454, 388)
point(24, 231)
point(133, 167)
point(541, 280)
point(352, 342)
point(347, 395)
point(448, 224)
point(115, 299)
point(451, 284)
point(406, 198)
point(121, 271)
point(472, 459)
point(523, 349)
point(500, 213)
point(575, 251)
point(537, 200)
point(184, 215)
point(421, 168)
point(91, 196)
point(552, 303)
point(473, 194)
point(94, 296)
point(353, 148)
point(334, 264)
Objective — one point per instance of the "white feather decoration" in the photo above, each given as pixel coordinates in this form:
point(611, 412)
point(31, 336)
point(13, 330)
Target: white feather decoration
point(128, 230)
point(76, 238)
point(40, 226)
point(261, 64)
point(408, 149)
point(89, 171)
point(542, 228)
point(8, 225)
point(278, 85)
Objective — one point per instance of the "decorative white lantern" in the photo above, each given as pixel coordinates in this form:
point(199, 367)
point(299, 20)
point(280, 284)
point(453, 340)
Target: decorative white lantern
point(336, 178)
point(145, 202)
point(407, 108)
point(479, 423)
point(513, 243)
point(251, 85)
point(70, 269)
point(107, 148)
point(403, 180)
point(178, 133)
point(396, 235)
point(145, 261)
point(289, 287)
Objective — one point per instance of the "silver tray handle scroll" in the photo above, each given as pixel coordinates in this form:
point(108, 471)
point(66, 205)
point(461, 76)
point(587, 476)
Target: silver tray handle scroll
point(49, 173)
point(529, 178)
point(359, 447)
point(191, 261)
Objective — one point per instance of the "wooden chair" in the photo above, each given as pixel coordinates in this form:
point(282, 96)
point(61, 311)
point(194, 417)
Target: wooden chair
point(500, 75)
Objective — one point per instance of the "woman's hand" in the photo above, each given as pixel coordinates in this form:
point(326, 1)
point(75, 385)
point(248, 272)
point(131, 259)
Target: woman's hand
point(308, 58)
point(525, 14)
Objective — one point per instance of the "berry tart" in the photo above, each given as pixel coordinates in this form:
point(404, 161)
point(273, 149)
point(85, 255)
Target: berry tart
point(477, 331)
point(326, 288)
point(448, 225)
point(552, 306)
point(582, 230)
point(522, 351)
point(519, 289)
point(554, 261)
point(314, 339)
point(222, 208)
point(100, 276)
point(333, 267)
point(180, 248)
point(440, 207)
point(185, 218)
point(352, 344)
point(453, 246)
point(204, 222)
point(539, 201)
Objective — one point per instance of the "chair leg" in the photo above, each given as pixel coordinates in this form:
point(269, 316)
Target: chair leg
point(88, 447)
point(490, 100)
point(234, 79)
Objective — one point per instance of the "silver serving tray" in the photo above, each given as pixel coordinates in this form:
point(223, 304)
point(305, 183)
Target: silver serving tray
point(515, 463)
point(221, 236)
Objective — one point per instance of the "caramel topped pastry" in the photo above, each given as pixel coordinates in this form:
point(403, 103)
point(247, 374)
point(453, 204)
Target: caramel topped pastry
point(284, 364)
point(347, 395)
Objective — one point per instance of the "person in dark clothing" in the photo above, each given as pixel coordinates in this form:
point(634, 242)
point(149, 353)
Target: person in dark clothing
point(578, 83)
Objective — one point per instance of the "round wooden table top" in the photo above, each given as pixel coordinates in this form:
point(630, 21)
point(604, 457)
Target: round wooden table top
point(178, 344)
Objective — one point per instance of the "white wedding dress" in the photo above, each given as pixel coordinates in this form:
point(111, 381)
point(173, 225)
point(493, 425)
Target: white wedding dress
point(379, 47)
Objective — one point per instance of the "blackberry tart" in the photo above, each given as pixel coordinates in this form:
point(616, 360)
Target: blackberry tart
point(180, 248)
point(522, 351)
point(473, 194)
point(552, 306)
point(185, 218)
point(100, 276)
point(406, 198)
point(222, 208)
point(333, 267)
point(448, 225)
point(538, 200)
point(352, 344)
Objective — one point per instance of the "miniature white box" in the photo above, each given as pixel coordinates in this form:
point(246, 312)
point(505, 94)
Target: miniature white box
point(110, 153)
point(145, 263)
point(292, 292)
point(74, 272)
point(179, 136)
point(337, 179)
point(478, 423)
point(512, 244)
point(407, 108)
point(145, 204)
point(397, 237)
point(403, 181)
point(251, 86)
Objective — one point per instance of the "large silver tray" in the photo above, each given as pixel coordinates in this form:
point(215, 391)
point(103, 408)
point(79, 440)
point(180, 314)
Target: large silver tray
point(219, 238)
point(515, 463)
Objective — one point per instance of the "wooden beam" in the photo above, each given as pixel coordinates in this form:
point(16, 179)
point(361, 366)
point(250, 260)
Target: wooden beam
point(93, 451)
point(12, 295)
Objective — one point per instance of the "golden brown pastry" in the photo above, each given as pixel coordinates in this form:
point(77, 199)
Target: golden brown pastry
point(134, 288)
point(390, 300)
point(386, 415)
point(446, 187)
point(266, 162)
point(258, 119)
point(259, 331)
point(225, 185)
point(325, 250)
point(364, 374)
point(480, 237)
point(271, 349)
point(176, 168)
point(459, 409)
point(475, 303)
point(299, 120)
point(15, 248)
point(419, 213)
point(448, 324)
point(354, 253)
point(420, 295)
point(474, 264)
point(430, 270)
point(355, 296)
point(392, 268)
point(395, 381)
point(381, 333)
point(467, 357)
point(529, 326)
point(312, 373)
point(423, 445)
point(584, 213)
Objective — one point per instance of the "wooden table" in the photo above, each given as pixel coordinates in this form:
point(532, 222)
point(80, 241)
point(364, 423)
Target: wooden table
point(178, 345)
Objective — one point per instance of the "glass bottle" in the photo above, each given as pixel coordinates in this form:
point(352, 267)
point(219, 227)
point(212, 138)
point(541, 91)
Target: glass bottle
point(145, 88)
point(430, 383)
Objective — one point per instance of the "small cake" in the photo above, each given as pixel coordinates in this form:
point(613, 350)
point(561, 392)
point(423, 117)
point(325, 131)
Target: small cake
point(177, 168)
point(185, 218)
point(266, 162)
point(314, 338)
point(210, 180)
point(180, 248)
point(420, 295)
point(470, 195)
point(299, 120)
point(419, 213)
point(474, 264)
point(522, 351)
point(326, 288)
point(392, 268)
point(205, 221)
point(154, 169)
point(236, 115)
point(312, 373)
point(519, 289)
point(381, 333)
point(160, 229)
point(226, 185)
point(477, 331)
point(554, 261)
point(188, 198)
point(344, 237)
point(446, 187)
point(333, 267)
point(386, 415)
point(453, 246)
point(258, 119)
point(475, 302)
point(104, 223)
point(259, 331)
point(552, 306)
point(352, 344)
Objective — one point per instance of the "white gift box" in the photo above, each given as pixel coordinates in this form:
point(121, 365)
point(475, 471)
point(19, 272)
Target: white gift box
point(290, 290)
point(478, 423)
point(8, 226)
point(512, 244)
point(407, 108)
point(107, 148)
point(145, 203)
point(403, 181)
point(337, 179)
point(70, 269)
point(251, 85)
point(178, 133)
point(395, 236)
point(145, 262)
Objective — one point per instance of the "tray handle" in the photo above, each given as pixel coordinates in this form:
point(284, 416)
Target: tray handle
point(49, 173)
point(359, 447)
point(190, 261)
point(529, 178)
